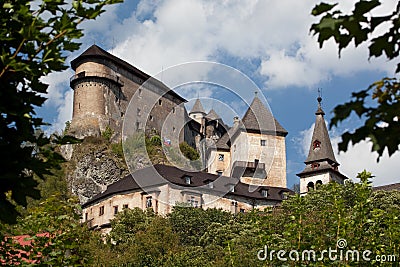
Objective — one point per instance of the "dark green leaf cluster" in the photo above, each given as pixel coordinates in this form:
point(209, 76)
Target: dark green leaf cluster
point(35, 37)
point(382, 124)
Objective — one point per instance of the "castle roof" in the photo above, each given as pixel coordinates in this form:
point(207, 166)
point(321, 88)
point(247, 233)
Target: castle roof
point(97, 52)
point(198, 107)
point(212, 115)
point(259, 118)
point(199, 181)
point(320, 147)
point(388, 187)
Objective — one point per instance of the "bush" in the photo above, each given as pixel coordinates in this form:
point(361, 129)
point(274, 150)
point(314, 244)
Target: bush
point(188, 151)
point(107, 133)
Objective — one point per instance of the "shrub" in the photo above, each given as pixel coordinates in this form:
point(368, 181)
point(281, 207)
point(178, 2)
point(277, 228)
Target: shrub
point(188, 151)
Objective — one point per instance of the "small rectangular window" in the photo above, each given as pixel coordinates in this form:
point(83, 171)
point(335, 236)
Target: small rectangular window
point(188, 180)
point(115, 210)
point(221, 157)
point(159, 102)
point(264, 192)
point(125, 206)
point(86, 216)
point(101, 211)
point(149, 202)
point(263, 142)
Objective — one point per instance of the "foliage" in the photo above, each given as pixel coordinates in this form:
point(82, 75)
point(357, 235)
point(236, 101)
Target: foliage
point(188, 151)
point(35, 37)
point(195, 237)
point(107, 133)
point(54, 233)
point(382, 123)
point(191, 223)
point(118, 149)
point(155, 140)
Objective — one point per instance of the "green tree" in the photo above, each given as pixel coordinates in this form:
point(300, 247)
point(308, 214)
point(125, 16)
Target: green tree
point(35, 38)
point(55, 236)
point(382, 122)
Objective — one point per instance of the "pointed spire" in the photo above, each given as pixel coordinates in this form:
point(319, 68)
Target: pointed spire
point(321, 147)
point(198, 107)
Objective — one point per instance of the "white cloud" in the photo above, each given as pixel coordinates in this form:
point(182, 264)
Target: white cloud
point(357, 158)
point(64, 113)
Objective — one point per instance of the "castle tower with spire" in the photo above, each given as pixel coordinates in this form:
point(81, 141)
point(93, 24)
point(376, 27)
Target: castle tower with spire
point(253, 149)
point(321, 165)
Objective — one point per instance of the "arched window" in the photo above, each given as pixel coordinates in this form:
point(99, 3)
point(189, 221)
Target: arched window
point(316, 144)
point(318, 184)
point(310, 186)
point(315, 165)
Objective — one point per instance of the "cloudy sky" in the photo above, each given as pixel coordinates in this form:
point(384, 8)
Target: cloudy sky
point(268, 41)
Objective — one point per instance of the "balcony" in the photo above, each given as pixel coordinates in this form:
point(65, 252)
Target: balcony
point(84, 74)
point(247, 168)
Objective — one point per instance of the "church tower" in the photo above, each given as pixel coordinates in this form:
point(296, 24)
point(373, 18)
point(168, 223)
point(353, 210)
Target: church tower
point(321, 165)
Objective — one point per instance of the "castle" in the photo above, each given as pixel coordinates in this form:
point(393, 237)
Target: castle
point(244, 166)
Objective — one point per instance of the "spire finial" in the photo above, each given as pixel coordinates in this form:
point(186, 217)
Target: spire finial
point(255, 93)
point(319, 96)
point(319, 99)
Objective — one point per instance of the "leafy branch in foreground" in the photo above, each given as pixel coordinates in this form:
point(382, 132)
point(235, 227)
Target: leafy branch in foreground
point(381, 125)
point(34, 39)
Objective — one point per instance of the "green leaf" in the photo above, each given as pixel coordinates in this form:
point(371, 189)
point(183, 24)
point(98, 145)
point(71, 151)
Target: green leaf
point(322, 8)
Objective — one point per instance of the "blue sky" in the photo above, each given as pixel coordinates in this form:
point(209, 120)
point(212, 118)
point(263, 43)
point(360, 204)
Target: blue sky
point(268, 41)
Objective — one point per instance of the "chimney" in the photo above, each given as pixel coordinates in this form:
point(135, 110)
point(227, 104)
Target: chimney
point(236, 121)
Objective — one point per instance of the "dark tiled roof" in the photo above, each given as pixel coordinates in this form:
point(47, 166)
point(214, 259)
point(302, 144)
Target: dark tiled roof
point(323, 168)
point(325, 151)
point(259, 118)
point(388, 187)
point(96, 52)
point(197, 107)
point(224, 142)
point(161, 174)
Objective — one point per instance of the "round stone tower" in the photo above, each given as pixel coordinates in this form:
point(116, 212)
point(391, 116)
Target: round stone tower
point(95, 86)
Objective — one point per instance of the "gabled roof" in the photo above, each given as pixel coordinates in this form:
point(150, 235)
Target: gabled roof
point(212, 115)
point(320, 134)
point(176, 176)
point(223, 142)
point(259, 118)
point(97, 52)
point(197, 107)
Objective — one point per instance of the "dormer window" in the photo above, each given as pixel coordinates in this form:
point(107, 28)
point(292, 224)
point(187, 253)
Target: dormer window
point(316, 144)
point(188, 179)
point(232, 188)
point(264, 192)
point(219, 173)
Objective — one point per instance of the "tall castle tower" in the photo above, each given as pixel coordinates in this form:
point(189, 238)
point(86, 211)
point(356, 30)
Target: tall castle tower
point(321, 165)
point(104, 85)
